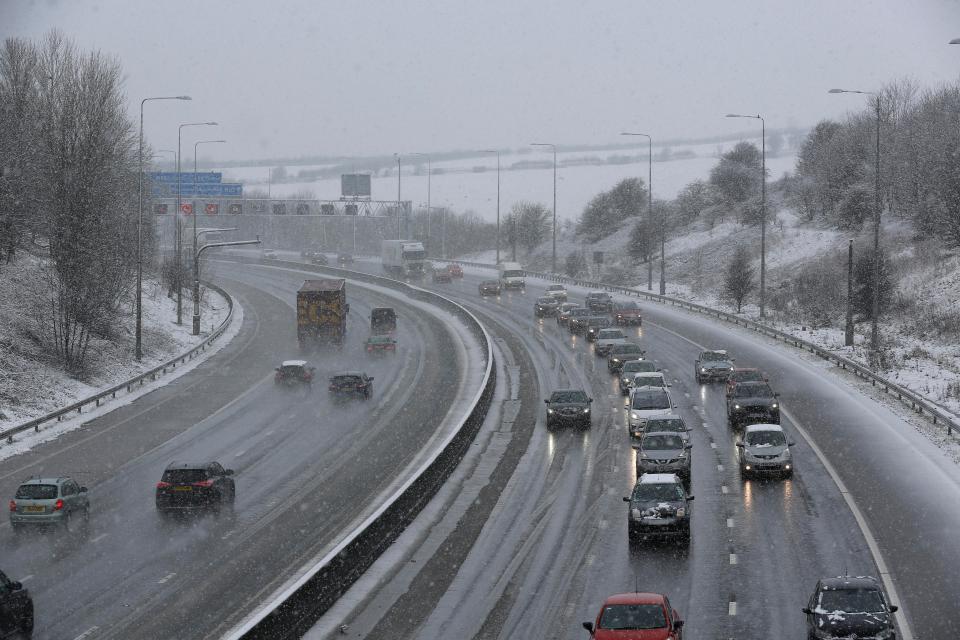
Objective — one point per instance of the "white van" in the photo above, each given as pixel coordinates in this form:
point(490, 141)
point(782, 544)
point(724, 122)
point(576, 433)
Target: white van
point(511, 275)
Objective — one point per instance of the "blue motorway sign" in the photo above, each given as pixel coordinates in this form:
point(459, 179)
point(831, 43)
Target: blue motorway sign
point(221, 190)
point(170, 177)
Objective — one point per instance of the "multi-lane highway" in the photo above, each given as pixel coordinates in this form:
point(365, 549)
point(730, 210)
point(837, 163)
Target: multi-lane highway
point(305, 470)
point(552, 543)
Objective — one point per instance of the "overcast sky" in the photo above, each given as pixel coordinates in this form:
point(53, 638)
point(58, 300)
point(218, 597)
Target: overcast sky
point(296, 77)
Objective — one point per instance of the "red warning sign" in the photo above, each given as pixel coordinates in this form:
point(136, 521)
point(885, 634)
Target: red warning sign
point(212, 208)
point(186, 208)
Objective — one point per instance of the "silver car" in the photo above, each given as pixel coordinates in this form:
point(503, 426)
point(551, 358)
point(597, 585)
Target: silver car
point(631, 367)
point(49, 502)
point(606, 338)
point(663, 452)
point(765, 450)
point(672, 423)
point(646, 403)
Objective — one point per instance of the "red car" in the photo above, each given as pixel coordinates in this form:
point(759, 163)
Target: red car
point(743, 374)
point(636, 616)
point(455, 270)
point(627, 313)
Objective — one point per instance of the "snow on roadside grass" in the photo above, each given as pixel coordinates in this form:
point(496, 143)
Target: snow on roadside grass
point(33, 384)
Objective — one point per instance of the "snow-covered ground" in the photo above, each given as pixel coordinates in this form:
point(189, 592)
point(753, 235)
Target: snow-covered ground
point(471, 183)
point(33, 384)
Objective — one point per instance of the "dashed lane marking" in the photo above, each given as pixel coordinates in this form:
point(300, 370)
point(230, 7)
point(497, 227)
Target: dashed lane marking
point(165, 579)
point(724, 489)
point(719, 467)
point(733, 558)
point(732, 608)
point(86, 634)
point(25, 578)
point(713, 445)
point(99, 537)
point(729, 523)
point(239, 453)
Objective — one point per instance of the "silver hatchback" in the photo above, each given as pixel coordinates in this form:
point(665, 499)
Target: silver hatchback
point(49, 502)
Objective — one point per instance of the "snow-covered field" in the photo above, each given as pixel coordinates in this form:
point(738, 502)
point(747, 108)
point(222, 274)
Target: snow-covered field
point(33, 384)
point(476, 189)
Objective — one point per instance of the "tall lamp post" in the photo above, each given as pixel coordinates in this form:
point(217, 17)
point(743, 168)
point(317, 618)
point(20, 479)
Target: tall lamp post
point(138, 350)
point(498, 198)
point(763, 207)
point(196, 254)
point(397, 156)
point(427, 156)
point(553, 262)
point(875, 297)
point(179, 239)
point(663, 284)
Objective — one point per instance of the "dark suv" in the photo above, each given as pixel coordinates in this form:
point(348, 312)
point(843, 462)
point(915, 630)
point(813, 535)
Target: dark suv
point(195, 486)
point(599, 302)
point(620, 353)
point(594, 325)
point(659, 507)
point(568, 406)
point(712, 365)
point(753, 402)
point(16, 609)
point(848, 607)
point(349, 384)
point(294, 372)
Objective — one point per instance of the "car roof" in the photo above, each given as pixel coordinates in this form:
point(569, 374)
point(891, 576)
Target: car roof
point(722, 352)
point(753, 384)
point(744, 369)
point(659, 478)
point(189, 465)
point(850, 582)
point(554, 287)
point(670, 416)
point(293, 363)
point(764, 427)
point(635, 598)
point(348, 373)
point(648, 374)
point(568, 390)
point(490, 282)
point(57, 480)
point(672, 434)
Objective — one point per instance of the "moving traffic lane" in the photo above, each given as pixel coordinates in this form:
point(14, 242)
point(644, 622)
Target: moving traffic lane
point(298, 481)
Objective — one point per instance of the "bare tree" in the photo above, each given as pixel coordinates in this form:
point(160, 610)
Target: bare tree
point(738, 281)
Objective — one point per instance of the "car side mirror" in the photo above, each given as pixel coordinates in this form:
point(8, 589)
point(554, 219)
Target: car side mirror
point(689, 498)
point(635, 447)
point(776, 394)
point(791, 443)
point(807, 611)
point(626, 498)
point(83, 489)
point(678, 624)
point(894, 608)
point(589, 399)
point(228, 472)
point(588, 626)
point(346, 307)
point(16, 586)
point(688, 446)
point(546, 401)
point(370, 379)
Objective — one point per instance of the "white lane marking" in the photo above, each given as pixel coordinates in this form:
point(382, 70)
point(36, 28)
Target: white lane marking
point(87, 633)
point(733, 558)
point(239, 453)
point(25, 578)
point(165, 579)
point(729, 523)
point(713, 445)
point(686, 394)
point(732, 608)
point(906, 633)
point(99, 537)
point(724, 489)
point(604, 524)
point(267, 433)
point(719, 467)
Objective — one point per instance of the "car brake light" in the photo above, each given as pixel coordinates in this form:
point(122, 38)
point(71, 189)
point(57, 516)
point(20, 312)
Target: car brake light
point(369, 348)
point(162, 485)
point(203, 483)
point(308, 376)
point(13, 505)
point(58, 505)
point(332, 387)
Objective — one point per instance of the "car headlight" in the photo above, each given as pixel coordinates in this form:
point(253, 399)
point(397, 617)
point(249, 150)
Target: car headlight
point(634, 416)
point(549, 411)
point(626, 381)
point(587, 410)
point(681, 512)
point(773, 406)
point(736, 406)
point(636, 514)
point(616, 359)
point(703, 369)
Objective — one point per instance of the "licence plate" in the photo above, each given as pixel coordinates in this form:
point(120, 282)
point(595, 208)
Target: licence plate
point(183, 488)
point(33, 509)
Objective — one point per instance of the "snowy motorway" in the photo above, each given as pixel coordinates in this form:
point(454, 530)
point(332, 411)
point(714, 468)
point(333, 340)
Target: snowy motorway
point(545, 541)
point(305, 471)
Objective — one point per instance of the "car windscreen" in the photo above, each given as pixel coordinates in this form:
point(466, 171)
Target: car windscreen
point(747, 376)
point(649, 400)
point(37, 492)
point(626, 306)
point(513, 273)
point(713, 356)
point(609, 334)
point(580, 312)
point(666, 424)
point(658, 491)
point(184, 476)
point(661, 443)
point(546, 301)
point(766, 439)
point(622, 349)
point(850, 601)
point(648, 381)
point(639, 366)
point(633, 616)
point(555, 287)
point(345, 380)
point(291, 370)
point(752, 391)
point(568, 396)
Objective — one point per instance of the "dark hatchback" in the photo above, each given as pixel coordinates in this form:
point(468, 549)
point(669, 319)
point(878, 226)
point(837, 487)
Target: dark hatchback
point(294, 372)
point(599, 302)
point(16, 609)
point(568, 406)
point(659, 507)
point(545, 306)
point(490, 288)
point(594, 325)
point(743, 374)
point(625, 313)
point(753, 402)
point(351, 384)
point(850, 607)
point(620, 353)
point(195, 486)
point(576, 319)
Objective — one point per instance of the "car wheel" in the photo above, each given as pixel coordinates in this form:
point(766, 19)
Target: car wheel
point(26, 628)
point(67, 523)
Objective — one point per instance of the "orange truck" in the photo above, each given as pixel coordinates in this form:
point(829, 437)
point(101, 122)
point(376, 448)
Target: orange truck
point(322, 312)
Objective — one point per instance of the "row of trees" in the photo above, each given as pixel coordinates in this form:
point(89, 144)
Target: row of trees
point(69, 185)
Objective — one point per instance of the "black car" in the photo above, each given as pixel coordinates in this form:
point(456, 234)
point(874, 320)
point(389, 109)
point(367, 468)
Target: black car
point(345, 258)
point(659, 507)
point(545, 306)
point(441, 274)
point(16, 609)
point(712, 365)
point(195, 486)
point(620, 353)
point(294, 373)
point(490, 288)
point(593, 326)
point(576, 319)
point(569, 406)
point(753, 402)
point(563, 312)
point(848, 607)
point(599, 302)
point(318, 258)
point(351, 384)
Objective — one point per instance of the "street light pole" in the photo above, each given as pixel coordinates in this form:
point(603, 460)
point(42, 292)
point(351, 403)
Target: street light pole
point(763, 207)
point(138, 349)
point(427, 156)
point(196, 253)
point(399, 237)
point(179, 238)
point(553, 262)
point(498, 199)
point(663, 284)
point(875, 297)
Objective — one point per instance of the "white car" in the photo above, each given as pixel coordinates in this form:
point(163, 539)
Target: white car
point(557, 291)
point(606, 338)
point(648, 379)
point(646, 403)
